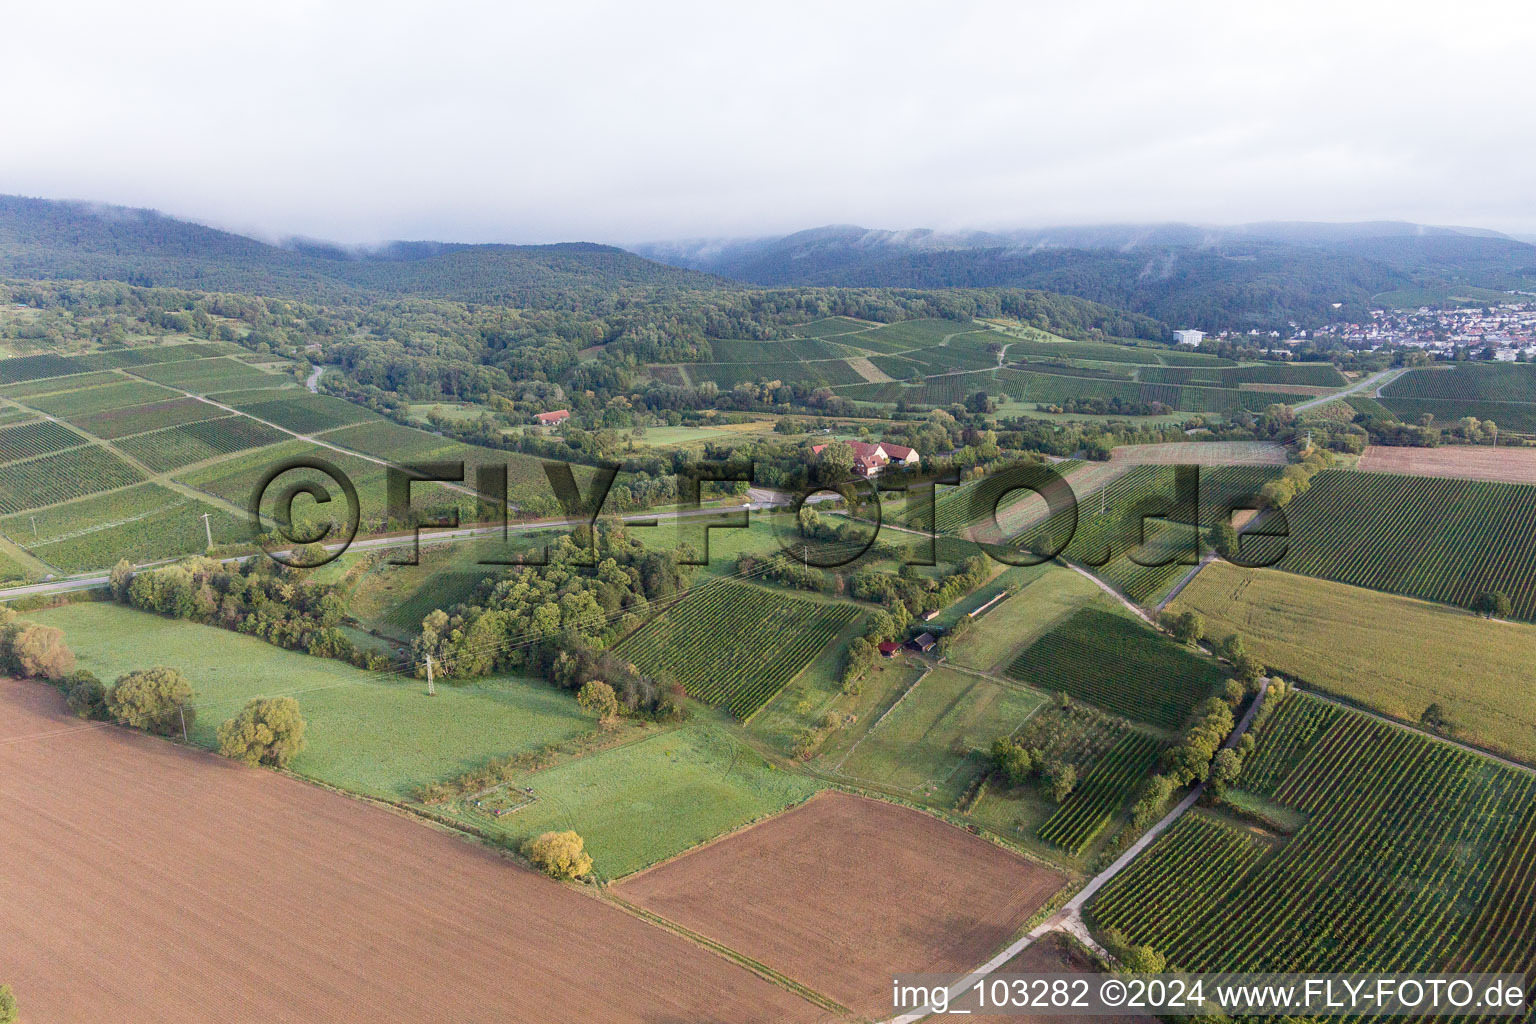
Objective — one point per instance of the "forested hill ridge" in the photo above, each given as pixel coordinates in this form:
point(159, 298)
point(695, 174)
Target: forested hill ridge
point(1257, 275)
point(611, 293)
point(48, 240)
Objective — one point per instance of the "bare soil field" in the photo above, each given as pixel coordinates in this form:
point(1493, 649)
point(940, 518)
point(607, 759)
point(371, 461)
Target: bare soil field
point(1287, 389)
point(1051, 954)
point(1507, 465)
point(843, 891)
point(144, 882)
point(1201, 453)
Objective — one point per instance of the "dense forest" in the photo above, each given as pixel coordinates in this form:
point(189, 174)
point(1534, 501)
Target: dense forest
point(1264, 276)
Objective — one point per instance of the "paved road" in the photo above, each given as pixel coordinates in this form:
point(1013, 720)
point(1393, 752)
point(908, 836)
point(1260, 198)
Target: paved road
point(1375, 381)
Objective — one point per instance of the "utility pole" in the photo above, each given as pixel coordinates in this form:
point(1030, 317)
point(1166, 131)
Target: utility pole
point(431, 688)
point(34, 527)
point(180, 710)
point(208, 529)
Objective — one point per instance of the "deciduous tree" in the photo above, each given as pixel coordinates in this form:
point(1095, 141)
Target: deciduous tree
point(40, 652)
point(1492, 604)
point(155, 699)
point(267, 731)
point(559, 854)
point(85, 695)
point(597, 698)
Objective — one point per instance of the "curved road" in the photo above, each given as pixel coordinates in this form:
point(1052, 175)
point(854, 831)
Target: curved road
point(1377, 380)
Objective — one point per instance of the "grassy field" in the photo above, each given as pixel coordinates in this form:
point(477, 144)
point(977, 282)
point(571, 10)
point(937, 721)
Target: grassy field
point(1007, 628)
point(1350, 642)
point(644, 802)
point(11, 569)
point(686, 437)
point(380, 735)
point(930, 745)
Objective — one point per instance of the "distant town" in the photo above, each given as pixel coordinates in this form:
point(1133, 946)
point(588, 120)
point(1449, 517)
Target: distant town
point(1505, 332)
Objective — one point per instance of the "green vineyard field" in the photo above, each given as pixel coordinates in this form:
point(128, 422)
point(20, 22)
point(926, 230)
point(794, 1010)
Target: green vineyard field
point(167, 532)
point(1411, 855)
point(48, 386)
point(735, 644)
point(1511, 417)
point(40, 438)
point(114, 423)
point(830, 327)
point(60, 477)
point(206, 376)
point(88, 513)
point(70, 405)
point(1468, 382)
point(298, 410)
point(1092, 805)
point(1439, 539)
point(163, 450)
point(1120, 665)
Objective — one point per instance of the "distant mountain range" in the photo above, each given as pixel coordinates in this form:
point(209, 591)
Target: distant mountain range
point(52, 240)
point(1251, 275)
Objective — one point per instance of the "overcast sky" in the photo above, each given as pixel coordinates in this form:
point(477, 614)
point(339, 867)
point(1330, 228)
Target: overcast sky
point(634, 121)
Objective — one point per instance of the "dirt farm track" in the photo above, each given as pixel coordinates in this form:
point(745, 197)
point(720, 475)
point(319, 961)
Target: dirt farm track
point(141, 882)
point(842, 891)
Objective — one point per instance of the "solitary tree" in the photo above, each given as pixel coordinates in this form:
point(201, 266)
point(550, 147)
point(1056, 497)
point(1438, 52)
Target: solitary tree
point(1248, 670)
point(1226, 541)
point(155, 699)
point(121, 579)
point(559, 854)
point(7, 1006)
point(1435, 718)
point(1231, 647)
point(597, 698)
point(1492, 604)
point(269, 731)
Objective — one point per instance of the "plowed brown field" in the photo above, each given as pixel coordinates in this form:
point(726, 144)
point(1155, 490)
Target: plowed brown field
point(142, 882)
point(843, 891)
point(1470, 462)
point(1051, 954)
